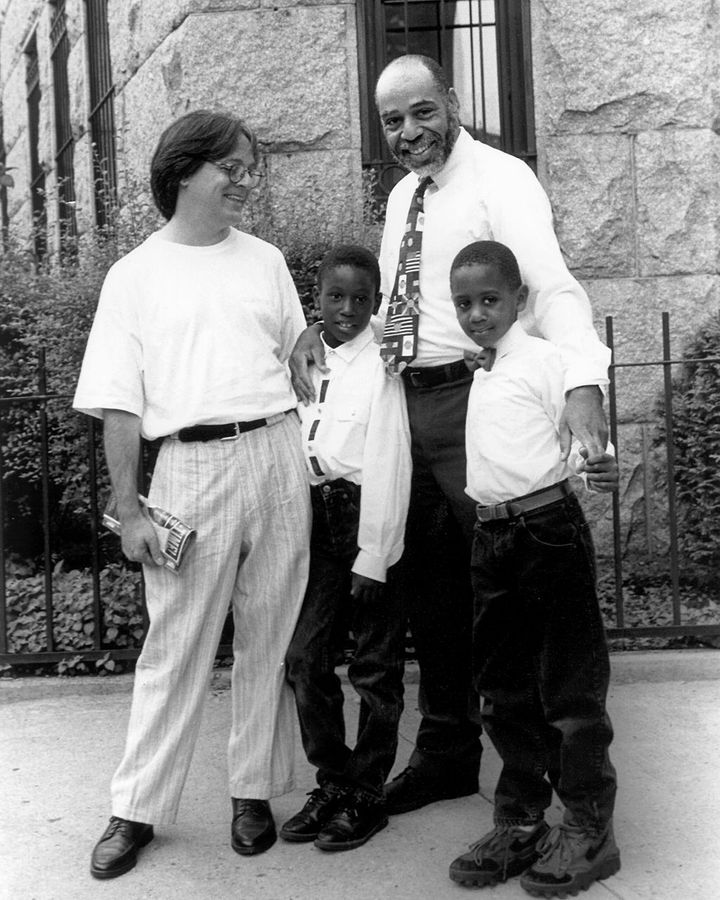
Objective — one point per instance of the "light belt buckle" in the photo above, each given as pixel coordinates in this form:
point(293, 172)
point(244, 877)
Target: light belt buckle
point(233, 437)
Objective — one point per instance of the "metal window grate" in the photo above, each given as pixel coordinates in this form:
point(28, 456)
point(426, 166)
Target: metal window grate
point(102, 112)
point(64, 143)
point(37, 172)
point(483, 46)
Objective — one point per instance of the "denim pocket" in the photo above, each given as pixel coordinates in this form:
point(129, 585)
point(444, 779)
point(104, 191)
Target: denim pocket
point(553, 529)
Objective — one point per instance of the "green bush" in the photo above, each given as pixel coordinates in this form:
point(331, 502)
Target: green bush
point(46, 309)
point(73, 624)
point(696, 442)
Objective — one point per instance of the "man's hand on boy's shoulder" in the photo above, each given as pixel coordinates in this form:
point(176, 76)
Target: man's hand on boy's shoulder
point(364, 589)
point(601, 470)
point(308, 351)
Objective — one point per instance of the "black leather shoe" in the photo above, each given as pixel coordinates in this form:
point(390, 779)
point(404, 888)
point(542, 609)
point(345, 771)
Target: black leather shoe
point(352, 825)
point(305, 825)
point(253, 827)
point(116, 851)
point(412, 790)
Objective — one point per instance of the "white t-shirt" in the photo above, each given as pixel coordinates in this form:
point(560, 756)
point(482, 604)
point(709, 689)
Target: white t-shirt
point(187, 335)
point(484, 194)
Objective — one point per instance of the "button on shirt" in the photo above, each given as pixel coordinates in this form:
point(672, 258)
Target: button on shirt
point(357, 429)
point(512, 435)
point(484, 194)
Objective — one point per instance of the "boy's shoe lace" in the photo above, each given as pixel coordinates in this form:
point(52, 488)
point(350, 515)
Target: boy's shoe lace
point(571, 859)
point(502, 853)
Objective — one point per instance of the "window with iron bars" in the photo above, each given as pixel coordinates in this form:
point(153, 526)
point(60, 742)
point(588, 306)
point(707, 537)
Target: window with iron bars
point(102, 110)
point(37, 172)
point(64, 144)
point(484, 48)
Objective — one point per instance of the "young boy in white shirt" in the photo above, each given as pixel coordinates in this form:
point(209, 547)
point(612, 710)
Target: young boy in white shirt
point(357, 448)
point(540, 656)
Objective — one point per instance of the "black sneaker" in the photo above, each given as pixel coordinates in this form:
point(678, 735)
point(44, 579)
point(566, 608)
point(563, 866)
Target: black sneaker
point(319, 808)
point(502, 853)
point(352, 825)
point(571, 859)
point(412, 790)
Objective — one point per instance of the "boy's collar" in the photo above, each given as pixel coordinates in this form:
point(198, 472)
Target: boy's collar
point(348, 350)
point(512, 337)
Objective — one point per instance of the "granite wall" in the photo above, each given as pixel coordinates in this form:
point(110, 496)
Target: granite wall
point(628, 116)
point(289, 67)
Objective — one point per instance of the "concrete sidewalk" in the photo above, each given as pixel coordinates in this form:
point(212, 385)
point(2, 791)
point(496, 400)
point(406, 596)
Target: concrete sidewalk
point(60, 740)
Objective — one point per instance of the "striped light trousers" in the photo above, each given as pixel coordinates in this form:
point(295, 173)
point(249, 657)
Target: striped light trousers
point(248, 499)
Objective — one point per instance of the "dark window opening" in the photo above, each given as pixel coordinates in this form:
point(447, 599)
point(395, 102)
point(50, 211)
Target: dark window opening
point(102, 112)
point(64, 143)
point(37, 171)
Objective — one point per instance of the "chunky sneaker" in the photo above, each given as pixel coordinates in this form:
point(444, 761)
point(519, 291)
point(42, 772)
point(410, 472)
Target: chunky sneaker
point(305, 826)
point(504, 852)
point(571, 859)
point(412, 789)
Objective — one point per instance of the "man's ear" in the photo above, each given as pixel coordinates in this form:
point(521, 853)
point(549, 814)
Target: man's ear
point(522, 296)
point(453, 101)
point(378, 301)
point(316, 296)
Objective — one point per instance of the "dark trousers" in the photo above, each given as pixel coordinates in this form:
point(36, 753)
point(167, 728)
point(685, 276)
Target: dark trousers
point(541, 665)
point(376, 668)
point(434, 580)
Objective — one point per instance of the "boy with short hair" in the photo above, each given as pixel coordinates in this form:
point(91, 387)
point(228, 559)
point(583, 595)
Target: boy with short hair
point(540, 656)
point(357, 448)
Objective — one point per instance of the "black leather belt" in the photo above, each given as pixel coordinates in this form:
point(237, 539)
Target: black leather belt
point(432, 376)
point(512, 509)
point(229, 432)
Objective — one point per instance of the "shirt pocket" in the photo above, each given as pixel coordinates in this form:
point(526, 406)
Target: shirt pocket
point(354, 410)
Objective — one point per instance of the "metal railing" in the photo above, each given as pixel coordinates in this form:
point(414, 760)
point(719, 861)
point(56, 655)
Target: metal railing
point(678, 628)
point(41, 400)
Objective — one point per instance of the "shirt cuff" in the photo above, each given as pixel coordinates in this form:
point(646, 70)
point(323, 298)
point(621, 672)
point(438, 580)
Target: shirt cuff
point(374, 567)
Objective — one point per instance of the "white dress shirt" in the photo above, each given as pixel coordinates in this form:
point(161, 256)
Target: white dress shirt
point(485, 194)
point(512, 433)
point(357, 429)
point(187, 335)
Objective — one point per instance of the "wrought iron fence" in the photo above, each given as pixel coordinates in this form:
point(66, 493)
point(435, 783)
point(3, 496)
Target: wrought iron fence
point(98, 647)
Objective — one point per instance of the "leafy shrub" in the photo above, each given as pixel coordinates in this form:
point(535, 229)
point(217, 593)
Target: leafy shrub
point(696, 442)
point(73, 618)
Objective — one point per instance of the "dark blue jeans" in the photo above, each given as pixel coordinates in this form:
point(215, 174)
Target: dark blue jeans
point(376, 669)
point(541, 665)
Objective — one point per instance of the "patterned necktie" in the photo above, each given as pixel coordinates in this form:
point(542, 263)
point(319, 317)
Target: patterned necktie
point(400, 337)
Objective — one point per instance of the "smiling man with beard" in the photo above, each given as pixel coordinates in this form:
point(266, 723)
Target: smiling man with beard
point(458, 190)
point(188, 346)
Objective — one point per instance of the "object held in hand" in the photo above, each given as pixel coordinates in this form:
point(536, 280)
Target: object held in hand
point(175, 536)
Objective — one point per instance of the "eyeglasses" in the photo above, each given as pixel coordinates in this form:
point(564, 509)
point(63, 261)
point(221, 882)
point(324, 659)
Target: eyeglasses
point(237, 172)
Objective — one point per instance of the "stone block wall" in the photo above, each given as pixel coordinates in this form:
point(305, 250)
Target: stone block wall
point(628, 115)
point(289, 67)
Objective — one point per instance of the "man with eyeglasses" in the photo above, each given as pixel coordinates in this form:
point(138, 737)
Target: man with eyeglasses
point(189, 345)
